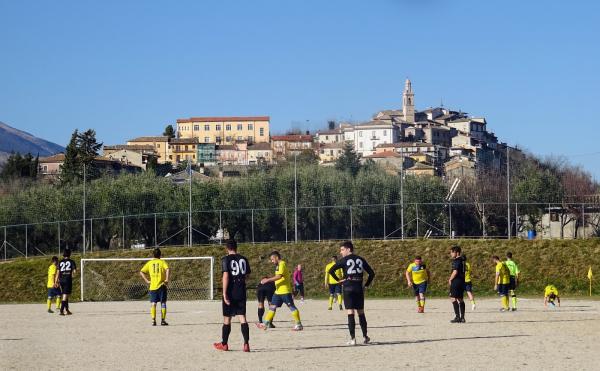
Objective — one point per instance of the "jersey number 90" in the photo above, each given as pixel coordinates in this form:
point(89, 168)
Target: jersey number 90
point(354, 266)
point(238, 267)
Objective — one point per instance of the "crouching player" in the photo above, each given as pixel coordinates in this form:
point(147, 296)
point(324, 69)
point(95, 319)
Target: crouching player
point(159, 277)
point(551, 295)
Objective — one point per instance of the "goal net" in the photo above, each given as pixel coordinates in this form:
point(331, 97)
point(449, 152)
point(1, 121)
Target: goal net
point(118, 279)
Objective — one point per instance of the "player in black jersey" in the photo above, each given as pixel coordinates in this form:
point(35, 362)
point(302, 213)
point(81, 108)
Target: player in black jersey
point(457, 284)
point(353, 267)
point(236, 270)
point(263, 292)
point(66, 270)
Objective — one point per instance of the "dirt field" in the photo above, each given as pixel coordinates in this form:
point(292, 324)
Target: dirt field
point(118, 335)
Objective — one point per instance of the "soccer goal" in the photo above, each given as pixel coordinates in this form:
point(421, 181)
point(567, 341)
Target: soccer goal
point(118, 279)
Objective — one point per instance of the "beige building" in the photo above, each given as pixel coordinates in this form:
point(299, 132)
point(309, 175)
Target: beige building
point(159, 143)
point(260, 153)
point(284, 145)
point(183, 149)
point(50, 166)
point(134, 155)
point(420, 169)
point(329, 152)
point(390, 161)
point(225, 130)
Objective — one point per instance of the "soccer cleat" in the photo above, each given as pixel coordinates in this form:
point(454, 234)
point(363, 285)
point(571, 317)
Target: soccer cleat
point(503, 310)
point(514, 309)
point(69, 312)
point(421, 310)
point(329, 308)
point(61, 313)
point(50, 311)
point(224, 347)
point(298, 327)
point(246, 347)
point(271, 325)
point(367, 340)
point(153, 322)
point(455, 320)
point(473, 307)
point(351, 342)
point(262, 326)
point(341, 308)
point(164, 323)
point(462, 320)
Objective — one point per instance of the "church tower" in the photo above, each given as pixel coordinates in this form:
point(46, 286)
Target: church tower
point(408, 103)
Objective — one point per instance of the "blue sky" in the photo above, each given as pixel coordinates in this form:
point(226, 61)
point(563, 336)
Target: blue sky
point(128, 68)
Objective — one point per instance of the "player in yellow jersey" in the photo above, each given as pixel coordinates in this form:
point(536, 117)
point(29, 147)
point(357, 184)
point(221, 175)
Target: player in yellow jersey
point(283, 292)
point(417, 276)
point(159, 277)
point(335, 288)
point(53, 288)
point(468, 283)
point(502, 281)
point(551, 294)
point(514, 278)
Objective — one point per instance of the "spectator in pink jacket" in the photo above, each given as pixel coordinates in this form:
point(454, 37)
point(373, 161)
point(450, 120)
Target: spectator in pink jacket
point(298, 279)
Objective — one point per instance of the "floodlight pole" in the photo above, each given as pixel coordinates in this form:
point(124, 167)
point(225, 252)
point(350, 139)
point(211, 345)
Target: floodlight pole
point(402, 197)
point(508, 189)
point(296, 197)
point(84, 240)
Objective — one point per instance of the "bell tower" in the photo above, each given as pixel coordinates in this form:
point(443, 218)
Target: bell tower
point(408, 103)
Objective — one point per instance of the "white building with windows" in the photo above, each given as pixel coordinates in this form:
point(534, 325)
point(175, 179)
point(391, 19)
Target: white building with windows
point(369, 135)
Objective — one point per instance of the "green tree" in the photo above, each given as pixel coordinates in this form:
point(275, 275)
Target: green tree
point(81, 151)
point(18, 166)
point(169, 132)
point(349, 160)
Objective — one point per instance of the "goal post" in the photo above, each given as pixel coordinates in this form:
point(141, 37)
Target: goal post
point(118, 279)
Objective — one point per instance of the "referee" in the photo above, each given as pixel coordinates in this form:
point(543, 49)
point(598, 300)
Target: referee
point(457, 284)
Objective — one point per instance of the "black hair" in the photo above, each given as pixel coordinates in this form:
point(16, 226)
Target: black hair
point(456, 248)
point(54, 259)
point(418, 257)
point(156, 253)
point(509, 255)
point(495, 257)
point(348, 245)
point(67, 253)
point(231, 245)
point(333, 257)
point(275, 253)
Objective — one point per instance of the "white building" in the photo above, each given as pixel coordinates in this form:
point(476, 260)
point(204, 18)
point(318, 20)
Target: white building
point(369, 135)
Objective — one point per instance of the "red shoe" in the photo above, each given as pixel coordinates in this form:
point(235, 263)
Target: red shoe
point(246, 347)
point(221, 346)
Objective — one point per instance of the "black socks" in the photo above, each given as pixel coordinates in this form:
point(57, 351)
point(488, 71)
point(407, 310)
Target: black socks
point(363, 323)
point(456, 308)
point(225, 333)
point(351, 325)
point(261, 313)
point(245, 332)
point(462, 309)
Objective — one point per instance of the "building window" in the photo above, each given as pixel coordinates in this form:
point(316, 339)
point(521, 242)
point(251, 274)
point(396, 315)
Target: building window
point(228, 139)
point(385, 133)
point(206, 127)
point(326, 137)
point(250, 138)
point(228, 127)
point(360, 145)
point(218, 127)
point(218, 139)
point(360, 133)
point(240, 138)
point(240, 127)
point(250, 127)
point(553, 217)
point(157, 145)
point(206, 139)
point(262, 132)
point(196, 127)
point(170, 157)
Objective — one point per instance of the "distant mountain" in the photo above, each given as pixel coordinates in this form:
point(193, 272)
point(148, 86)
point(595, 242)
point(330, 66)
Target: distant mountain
point(14, 140)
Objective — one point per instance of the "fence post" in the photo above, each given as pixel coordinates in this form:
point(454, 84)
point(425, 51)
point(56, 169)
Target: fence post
point(350, 223)
point(155, 234)
point(549, 222)
point(285, 223)
point(516, 219)
point(483, 232)
point(450, 220)
point(417, 214)
point(583, 219)
point(252, 218)
point(58, 227)
point(91, 235)
point(222, 232)
point(123, 235)
point(4, 244)
point(26, 242)
point(384, 232)
point(319, 222)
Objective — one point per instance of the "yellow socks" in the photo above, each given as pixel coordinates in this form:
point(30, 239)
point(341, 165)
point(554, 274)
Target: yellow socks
point(514, 302)
point(422, 303)
point(163, 312)
point(153, 312)
point(505, 302)
point(269, 316)
point(49, 303)
point(58, 302)
point(330, 301)
point(339, 297)
point(296, 315)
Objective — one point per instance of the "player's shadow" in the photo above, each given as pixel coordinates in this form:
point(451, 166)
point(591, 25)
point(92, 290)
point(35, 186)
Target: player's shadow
point(344, 326)
point(12, 339)
point(385, 343)
point(533, 321)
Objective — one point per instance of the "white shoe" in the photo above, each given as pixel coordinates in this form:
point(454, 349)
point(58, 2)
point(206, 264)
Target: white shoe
point(351, 342)
point(473, 307)
point(298, 327)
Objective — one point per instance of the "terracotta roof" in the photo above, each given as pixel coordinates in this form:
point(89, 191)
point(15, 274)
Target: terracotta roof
point(405, 144)
point(332, 145)
point(385, 155)
point(292, 138)
point(259, 147)
point(143, 147)
point(150, 139)
point(225, 118)
point(59, 157)
point(420, 166)
point(184, 141)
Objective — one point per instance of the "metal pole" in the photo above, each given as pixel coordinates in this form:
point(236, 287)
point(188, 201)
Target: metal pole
point(81, 280)
point(26, 241)
point(4, 243)
point(84, 209)
point(417, 212)
point(319, 222)
point(516, 220)
point(402, 197)
point(508, 189)
point(384, 232)
point(123, 237)
point(221, 228)
point(295, 198)
point(483, 221)
point(58, 225)
point(155, 234)
point(549, 222)
point(350, 223)
point(190, 236)
point(285, 223)
point(91, 235)
point(212, 277)
point(583, 219)
point(252, 216)
point(450, 220)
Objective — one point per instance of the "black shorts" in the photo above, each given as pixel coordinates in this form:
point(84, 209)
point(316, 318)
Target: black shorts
point(354, 299)
point(512, 285)
point(66, 286)
point(468, 286)
point(299, 288)
point(335, 288)
point(159, 295)
point(457, 289)
point(235, 308)
point(53, 292)
point(263, 293)
point(503, 289)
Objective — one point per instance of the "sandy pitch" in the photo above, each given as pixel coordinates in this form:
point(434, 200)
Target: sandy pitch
point(118, 335)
